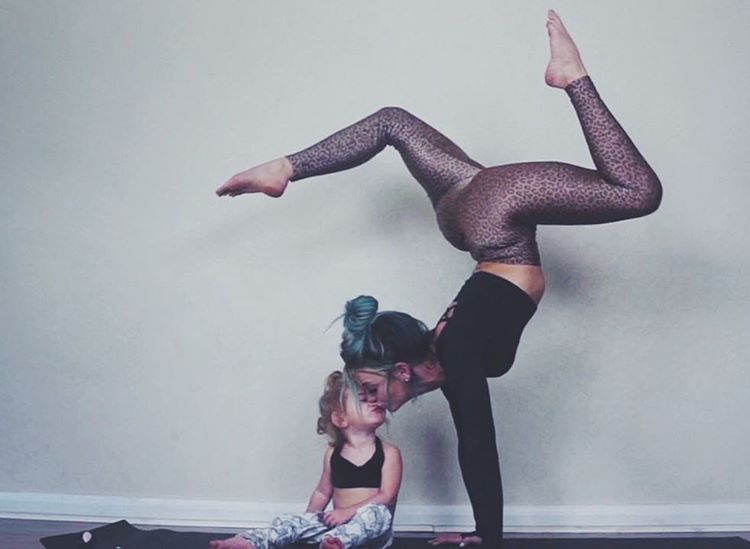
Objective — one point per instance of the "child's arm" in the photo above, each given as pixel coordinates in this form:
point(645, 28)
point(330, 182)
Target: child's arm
point(390, 482)
point(323, 491)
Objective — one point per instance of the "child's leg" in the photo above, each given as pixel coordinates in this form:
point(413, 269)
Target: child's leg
point(285, 530)
point(371, 526)
point(433, 159)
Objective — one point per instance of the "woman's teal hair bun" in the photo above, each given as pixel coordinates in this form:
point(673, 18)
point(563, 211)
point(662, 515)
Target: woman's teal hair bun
point(359, 315)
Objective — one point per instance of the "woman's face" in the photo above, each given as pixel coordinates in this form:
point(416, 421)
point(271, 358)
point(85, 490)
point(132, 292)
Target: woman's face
point(376, 388)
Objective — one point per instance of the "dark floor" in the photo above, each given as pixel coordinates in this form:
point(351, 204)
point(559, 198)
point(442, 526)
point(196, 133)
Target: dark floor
point(25, 534)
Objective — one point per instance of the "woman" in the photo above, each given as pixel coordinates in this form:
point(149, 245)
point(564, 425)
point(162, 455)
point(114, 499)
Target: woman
point(492, 213)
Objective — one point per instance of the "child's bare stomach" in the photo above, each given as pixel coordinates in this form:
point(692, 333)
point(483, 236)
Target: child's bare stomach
point(346, 497)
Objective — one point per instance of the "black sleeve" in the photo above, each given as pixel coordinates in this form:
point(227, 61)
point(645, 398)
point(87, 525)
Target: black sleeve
point(462, 352)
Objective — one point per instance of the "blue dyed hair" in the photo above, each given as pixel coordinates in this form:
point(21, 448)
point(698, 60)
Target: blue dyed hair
point(376, 341)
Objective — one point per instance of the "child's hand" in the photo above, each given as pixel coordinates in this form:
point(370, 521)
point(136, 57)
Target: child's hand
point(338, 516)
point(456, 539)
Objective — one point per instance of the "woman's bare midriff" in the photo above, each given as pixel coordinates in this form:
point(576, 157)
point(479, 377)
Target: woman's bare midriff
point(527, 277)
point(346, 497)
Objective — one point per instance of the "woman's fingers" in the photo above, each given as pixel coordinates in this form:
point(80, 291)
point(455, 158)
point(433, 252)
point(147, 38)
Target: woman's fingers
point(455, 539)
point(442, 539)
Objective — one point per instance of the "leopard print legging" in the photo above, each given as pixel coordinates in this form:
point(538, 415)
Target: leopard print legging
point(493, 212)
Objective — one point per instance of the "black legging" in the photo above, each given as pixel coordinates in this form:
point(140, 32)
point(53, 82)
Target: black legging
point(493, 212)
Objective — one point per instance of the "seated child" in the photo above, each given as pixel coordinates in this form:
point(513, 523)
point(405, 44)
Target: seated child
point(360, 473)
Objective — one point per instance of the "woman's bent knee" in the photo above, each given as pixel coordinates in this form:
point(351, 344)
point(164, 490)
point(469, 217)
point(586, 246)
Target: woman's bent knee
point(394, 114)
point(650, 201)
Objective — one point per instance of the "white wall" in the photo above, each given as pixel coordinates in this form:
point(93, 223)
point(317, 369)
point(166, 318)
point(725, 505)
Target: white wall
point(157, 341)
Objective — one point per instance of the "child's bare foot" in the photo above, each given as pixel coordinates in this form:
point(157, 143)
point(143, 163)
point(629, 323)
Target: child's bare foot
point(329, 542)
point(565, 63)
point(270, 178)
point(236, 542)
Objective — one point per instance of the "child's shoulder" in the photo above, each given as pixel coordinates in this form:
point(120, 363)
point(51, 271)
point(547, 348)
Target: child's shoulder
point(389, 448)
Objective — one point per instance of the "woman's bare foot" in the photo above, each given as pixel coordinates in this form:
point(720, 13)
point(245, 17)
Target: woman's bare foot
point(565, 63)
point(329, 542)
point(236, 542)
point(270, 178)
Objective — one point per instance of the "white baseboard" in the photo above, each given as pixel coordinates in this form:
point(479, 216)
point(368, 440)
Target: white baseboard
point(417, 518)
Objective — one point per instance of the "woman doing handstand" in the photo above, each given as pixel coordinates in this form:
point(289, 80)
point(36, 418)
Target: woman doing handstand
point(492, 213)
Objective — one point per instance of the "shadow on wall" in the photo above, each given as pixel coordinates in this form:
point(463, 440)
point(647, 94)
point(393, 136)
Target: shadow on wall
point(430, 457)
point(615, 369)
point(662, 280)
point(315, 218)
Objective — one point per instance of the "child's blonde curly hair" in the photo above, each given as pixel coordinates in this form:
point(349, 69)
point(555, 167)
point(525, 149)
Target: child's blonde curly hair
point(332, 401)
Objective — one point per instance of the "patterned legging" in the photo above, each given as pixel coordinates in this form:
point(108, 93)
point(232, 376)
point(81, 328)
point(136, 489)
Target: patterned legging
point(371, 526)
point(493, 212)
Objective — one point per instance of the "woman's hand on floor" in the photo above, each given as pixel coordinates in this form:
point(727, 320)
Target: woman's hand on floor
point(456, 539)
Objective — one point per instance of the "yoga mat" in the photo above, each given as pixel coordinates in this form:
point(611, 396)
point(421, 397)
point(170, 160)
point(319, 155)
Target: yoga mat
point(124, 535)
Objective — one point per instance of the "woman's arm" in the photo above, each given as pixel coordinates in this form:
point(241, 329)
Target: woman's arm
point(390, 483)
point(464, 355)
point(323, 491)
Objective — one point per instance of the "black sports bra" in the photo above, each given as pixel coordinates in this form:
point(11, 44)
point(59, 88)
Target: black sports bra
point(345, 474)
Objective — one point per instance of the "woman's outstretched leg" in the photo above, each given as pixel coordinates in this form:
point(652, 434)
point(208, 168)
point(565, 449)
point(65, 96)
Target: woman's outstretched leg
point(495, 216)
point(434, 160)
point(623, 185)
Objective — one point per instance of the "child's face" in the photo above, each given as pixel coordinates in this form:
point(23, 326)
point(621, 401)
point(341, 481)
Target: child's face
point(366, 415)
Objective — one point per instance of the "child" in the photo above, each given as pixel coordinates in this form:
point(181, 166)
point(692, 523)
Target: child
point(360, 473)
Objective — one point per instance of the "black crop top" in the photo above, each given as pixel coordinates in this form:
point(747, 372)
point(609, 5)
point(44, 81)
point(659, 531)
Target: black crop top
point(345, 474)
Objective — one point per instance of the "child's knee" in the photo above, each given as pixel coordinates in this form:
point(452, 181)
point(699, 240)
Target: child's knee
point(279, 521)
point(295, 521)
